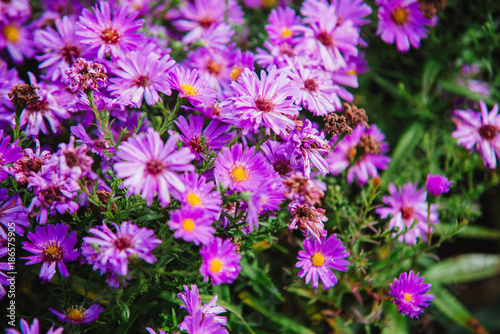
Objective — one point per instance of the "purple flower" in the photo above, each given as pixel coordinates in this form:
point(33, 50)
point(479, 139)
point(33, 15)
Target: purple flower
point(308, 219)
point(281, 157)
point(30, 162)
point(191, 86)
point(192, 224)
point(52, 245)
point(220, 261)
point(214, 137)
point(241, 60)
point(78, 315)
point(9, 153)
point(437, 184)
point(116, 35)
point(33, 329)
point(52, 194)
point(14, 10)
point(114, 250)
point(99, 146)
point(71, 162)
point(403, 22)
point(267, 197)
point(318, 257)
point(409, 292)
point(408, 208)
point(152, 331)
point(265, 102)
point(479, 132)
point(192, 304)
point(284, 25)
point(199, 323)
point(83, 75)
point(12, 214)
point(150, 166)
point(5, 280)
point(141, 75)
point(18, 40)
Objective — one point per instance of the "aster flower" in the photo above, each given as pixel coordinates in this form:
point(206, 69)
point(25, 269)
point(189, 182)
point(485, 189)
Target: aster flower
point(200, 324)
point(189, 85)
point(30, 162)
point(71, 162)
point(266, 197)
point(241, 60)
point(78, 315)
point(214, 137)
point(8, 79)
point(241, 169)
point(14, 10)
point(437, 184)
point(12, 214)
point(5, 280)
point(53, 246)
point(220, 261)
point(281, 157)
point(479, 132)
point(9, 153)
point(83, 75)
point(354, 11)
point(408, 208)
point(141, 74)
point(98, 146)
point(198, 194)
point(409, 292)
point(284, 25)
point(192, 224)
point(33, 329)
point(114, 250)
point(318, 257)
point(18, 40)
point(308, 219)
point(149, 166)
point(403, 22)
point(192, 304)
point(52, 194)
point(264, 102)
point(114, 35)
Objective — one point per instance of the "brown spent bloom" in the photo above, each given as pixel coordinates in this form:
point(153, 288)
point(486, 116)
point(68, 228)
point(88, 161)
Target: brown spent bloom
point(355, 115)
point(23, 95)
point(308, 219)
point(335, 124)
point(429, 8)
point(370, 145)
point(103, 197)
point(301, 188)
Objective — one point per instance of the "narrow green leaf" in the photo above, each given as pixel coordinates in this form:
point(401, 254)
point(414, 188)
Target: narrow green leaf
point(464, 268)
point(472, 232)
point(431, 70)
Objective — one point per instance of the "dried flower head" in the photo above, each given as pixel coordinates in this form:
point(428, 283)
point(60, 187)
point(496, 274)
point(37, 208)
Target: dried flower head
point(429, 8)
point(23, 96)
point(302, 189)
point(355, 115)
point(86, 74)
point(335, 124)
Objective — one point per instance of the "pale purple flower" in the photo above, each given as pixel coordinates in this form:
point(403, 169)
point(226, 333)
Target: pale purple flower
point(53, 246)
point(409, 292)
point(479, 132)
point(266, 197)
point(150, 166)
point(78, 315)
point(12, 214)
point(33, 329)
point(100, 146)
point(18, 10)
point(71, 162)
point(18, 40)
point(281, 156)
point(191, 86)
point(318, 257)
point(192, 224)
point(437, 184)
point(83, 75)
point(220, 261)
point(9, 153)
point(284, 25)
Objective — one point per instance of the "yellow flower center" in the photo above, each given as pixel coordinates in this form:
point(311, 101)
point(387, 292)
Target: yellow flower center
point(52, 252)
point(268, 3)
point(236, 72)
point(351, 72)
point(188, 224)
point(187, 89)
point(400, 16)
point(193, 199)
point(407, 297)
point(239, 174)
point(215, 265)
point(76, 314)
point(318, 259)
point(285, 33)
point(11, 33)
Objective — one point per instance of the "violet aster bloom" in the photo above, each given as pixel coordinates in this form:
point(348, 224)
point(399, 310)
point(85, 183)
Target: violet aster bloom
point(150, 166)
point(9, 153)
point(5, 280)
point(214, 136)
point(265, 102)
point(8, 79)
point(354, 11)
point(14, 10)
point(18, 41)
point(318, 257)
point(437, 184)
point(52, 245)
point(78, 315)
point(281, 156)
point(85, 74)
point(479, 132)
point(284, 25)
point(33, 329)
point(409, 292)
point(192, 304)
point(401, 21)
point(52, 194)
point(189, 85)
point(220, 261)
point(308, 219)
point(142, 75)
point(114, 250)
point(200, 323)
point(30, 162)
point(267, 197)
point(241, 60)
point(408, 207)
point(12, 214)
point(115, 35)
point(199, 194)
point(98, 146)
point(192, 224)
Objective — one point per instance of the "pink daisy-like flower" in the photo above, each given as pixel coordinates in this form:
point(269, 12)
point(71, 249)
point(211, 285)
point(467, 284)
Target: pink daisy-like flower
point(281, 157)
point(437, 184)
point(403, 22)
point(53, 246)
point(265, 102)
point(78, 315)
point(150, 166)
point(114, 250)
point(12, 214)
point(115, 35)
point(220, 261)
point(142, 75)
point(408, 207)
point(18, 40)
point(409, 292)
point(33, 329)
point(479, 132)
point(189, 85)
point(9, 153)
point(318, 257)
point(192, 224)
point(284, 25)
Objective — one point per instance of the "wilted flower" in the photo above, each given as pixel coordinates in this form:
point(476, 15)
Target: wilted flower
point(408, 292)
point(30, 162)
point(308, 219)
point(85, 74)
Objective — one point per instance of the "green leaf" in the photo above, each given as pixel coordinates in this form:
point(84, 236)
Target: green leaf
point(398, 324)
point(431, 70)
point(473, 232)
point(455, 88)
point(464, 268)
